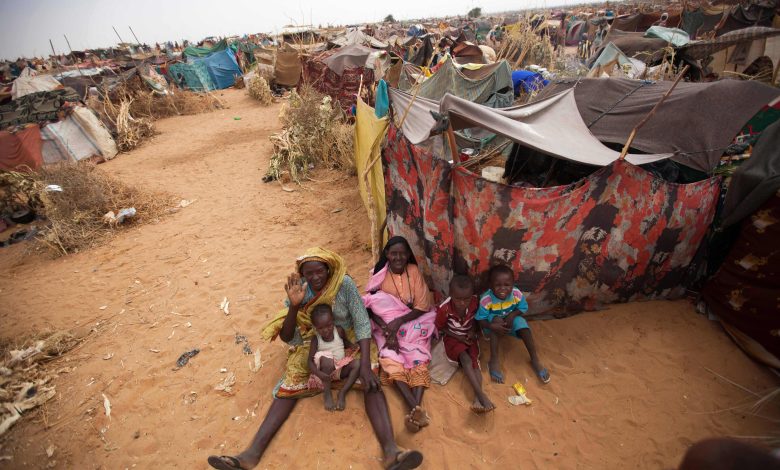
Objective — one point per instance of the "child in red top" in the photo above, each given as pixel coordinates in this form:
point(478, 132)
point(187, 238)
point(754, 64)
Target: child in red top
point(455, 320)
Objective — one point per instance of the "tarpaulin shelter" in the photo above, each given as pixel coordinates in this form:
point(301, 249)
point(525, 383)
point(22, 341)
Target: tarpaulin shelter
point(36, 107)
point(29, 81)
point(574, 32)
point(288, 67)
point(490, 84)
point(757, 13)
point(635, 45)
point(21, 150)
point(221, 66)
point(194, 75)
point(79, 136)
point(618, 235)
point(197, 52)
point(612, 107)
point(699, 22)
point(338, 73)
point(611, 56)
point(355, 36)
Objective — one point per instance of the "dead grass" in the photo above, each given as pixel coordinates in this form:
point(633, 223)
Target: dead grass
point(315, 133)
point(26, 382)
point(525, 46)
point(75, 215)
point(130, 109)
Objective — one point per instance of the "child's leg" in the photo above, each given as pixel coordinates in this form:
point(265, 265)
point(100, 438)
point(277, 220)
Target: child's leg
point(327, 366)
point(528, 339)
point(351, 370)
point(493, 367)
point(481, 401)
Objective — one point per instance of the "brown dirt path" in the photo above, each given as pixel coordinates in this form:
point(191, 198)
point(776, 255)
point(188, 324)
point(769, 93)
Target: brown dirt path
point(629, 388)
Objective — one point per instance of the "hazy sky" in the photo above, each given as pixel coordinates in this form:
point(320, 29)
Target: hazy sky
point(27, 26)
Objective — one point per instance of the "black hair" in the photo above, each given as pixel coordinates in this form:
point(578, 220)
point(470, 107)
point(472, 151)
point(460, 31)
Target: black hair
point(461, 282)
point(320, 311)
point(500, 269)
point(383, 256)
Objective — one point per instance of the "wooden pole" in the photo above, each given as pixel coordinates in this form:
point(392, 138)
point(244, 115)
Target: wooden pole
point(453, 144)
point(117, 35)
point(56, 59)
point(650, 114)
point(73, 56)
point(136, 37)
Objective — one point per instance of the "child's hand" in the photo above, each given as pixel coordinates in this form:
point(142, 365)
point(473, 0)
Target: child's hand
point(498, 326)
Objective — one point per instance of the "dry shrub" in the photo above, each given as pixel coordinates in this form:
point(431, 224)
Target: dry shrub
point(130, 109)
point(314, 133)
point(259, 90)
point(26, 382)
point(76, 214)
point(525, 46)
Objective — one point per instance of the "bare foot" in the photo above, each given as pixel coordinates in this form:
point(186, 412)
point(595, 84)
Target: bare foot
point(420, 416)
point(477, 407)
point(341, 402)
point(486, 403)
point(329, 405)
point(411, 424)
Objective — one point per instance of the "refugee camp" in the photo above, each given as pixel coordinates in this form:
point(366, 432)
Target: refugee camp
point(464, 234)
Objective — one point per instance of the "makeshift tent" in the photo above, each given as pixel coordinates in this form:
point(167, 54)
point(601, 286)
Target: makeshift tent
point(538, 125)
point(634, 45)
point(611, 108)
point(699, 22)
point(222, 67)
point(527, 81)
point(674, 36)
point(618, 235)
point(574, 33)
point(36, 107)
point(745, 291)
point(467, 53)
point(640, 22)
point(197, 52)
point(609, 58)
point(29, 81)
point(752, 14)
point(288, 68)
point(338, 73)
point(79, 136)
point(21, 150)
point(490, 84)
point(194, 75)
point(355, 36)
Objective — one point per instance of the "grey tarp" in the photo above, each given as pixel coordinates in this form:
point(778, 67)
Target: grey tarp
point(348, 57)
point(355, 36)
point(635, 45)
point(552, 126)
point(702, 49)
point(490, 85)
point(756, 179)
point(696, 122)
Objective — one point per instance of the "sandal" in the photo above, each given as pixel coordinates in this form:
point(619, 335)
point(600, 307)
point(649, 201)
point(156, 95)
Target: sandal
point(543, 375)
point(403, 460)
point(225, 462)
point(497, 376)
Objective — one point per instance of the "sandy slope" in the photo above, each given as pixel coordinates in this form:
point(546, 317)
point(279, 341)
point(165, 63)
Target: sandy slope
point(630, 385)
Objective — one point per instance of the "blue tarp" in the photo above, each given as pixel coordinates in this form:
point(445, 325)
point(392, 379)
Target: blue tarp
point(528, 81)
point(222, 67)
point(195, 76)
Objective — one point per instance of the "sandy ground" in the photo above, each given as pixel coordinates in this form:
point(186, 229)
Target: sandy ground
point(632, 387)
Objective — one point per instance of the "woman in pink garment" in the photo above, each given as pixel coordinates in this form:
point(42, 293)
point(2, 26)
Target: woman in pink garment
point(403, 315)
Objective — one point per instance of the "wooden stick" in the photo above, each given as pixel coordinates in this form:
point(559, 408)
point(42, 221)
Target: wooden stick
point(453, 145)
point(650, 114)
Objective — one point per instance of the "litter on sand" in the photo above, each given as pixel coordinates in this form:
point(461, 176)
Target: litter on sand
point(106, 405)
point(226, 386)
point(258, 363)
point(225, 306)
point(185, 358)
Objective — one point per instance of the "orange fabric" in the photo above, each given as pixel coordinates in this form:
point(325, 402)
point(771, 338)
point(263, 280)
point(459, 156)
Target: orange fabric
point(21, 150)
point(417, 376)
point(411, 288)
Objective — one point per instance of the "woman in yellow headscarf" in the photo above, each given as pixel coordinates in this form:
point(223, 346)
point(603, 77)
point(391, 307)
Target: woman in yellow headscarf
point(321, 278)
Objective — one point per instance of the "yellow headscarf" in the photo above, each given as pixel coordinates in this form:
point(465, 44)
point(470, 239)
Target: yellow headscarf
point(337, 268)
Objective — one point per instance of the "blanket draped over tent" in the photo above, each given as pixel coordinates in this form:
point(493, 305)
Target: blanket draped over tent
point(369, 132)
point(323, 73)
point(21, 150)
point(618, 235)
point(490, 85)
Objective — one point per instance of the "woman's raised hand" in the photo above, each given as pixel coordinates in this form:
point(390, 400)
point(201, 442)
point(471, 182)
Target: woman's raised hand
point(295, 289)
